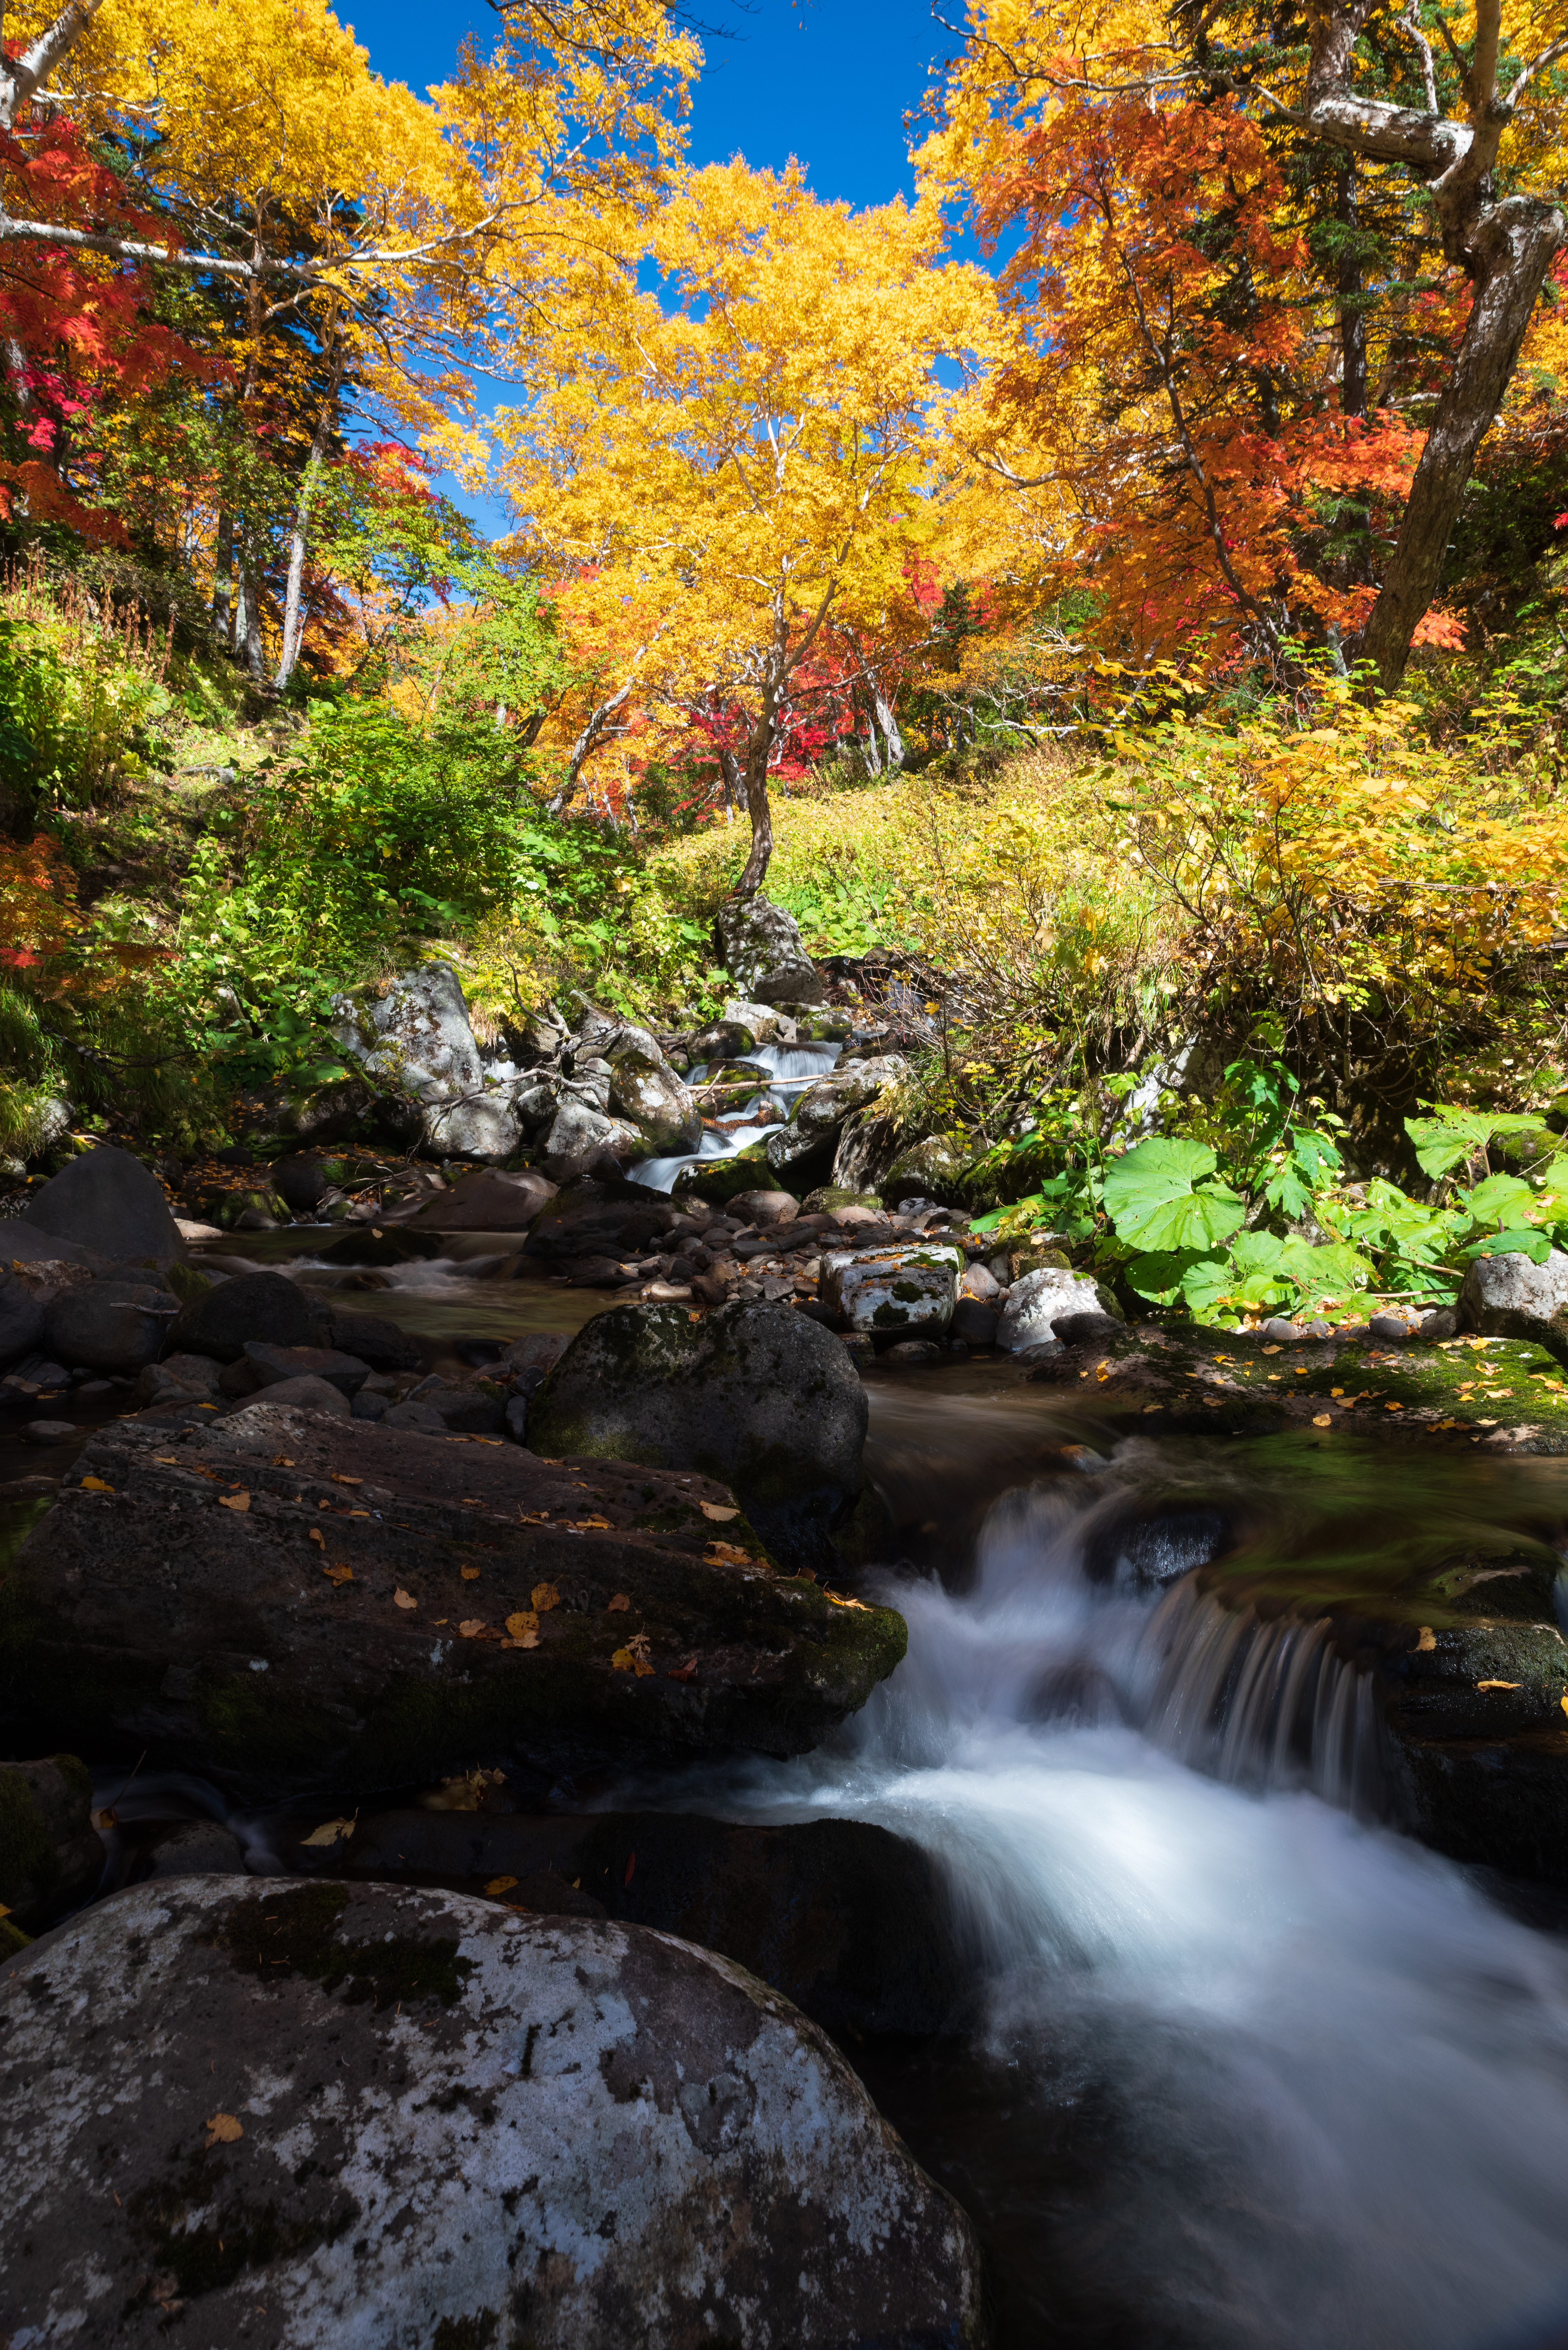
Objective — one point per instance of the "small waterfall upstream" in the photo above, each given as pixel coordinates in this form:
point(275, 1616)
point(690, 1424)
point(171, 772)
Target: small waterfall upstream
point(790, 1070)
point(1247, 2071)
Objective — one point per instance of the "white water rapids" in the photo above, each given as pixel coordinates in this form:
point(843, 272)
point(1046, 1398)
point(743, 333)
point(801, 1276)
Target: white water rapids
point(1329, 2075)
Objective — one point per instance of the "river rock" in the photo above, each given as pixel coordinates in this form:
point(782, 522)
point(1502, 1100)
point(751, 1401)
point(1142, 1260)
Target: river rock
point(1510, 1297)
point(492, 1200)
point(301, 1180)
point(766, 1022)
point(1037, 1302)
point(765, 1207)
point(196, 1848)
point(307, 1393)
point(931, 1169)
point(896, 1289)
point(189, 1600)
point(646, 1090)
point(975, 1324)
point(759, 946)
point(755, 1394)
point(390, 2117)
point(263, 1306)
point(111, 1325)
point(50, 1853)
point(108, 1201)
point(727, 1040)
point(579, 1132)
point(417, 1040)
point(823, 1108)
point(277, 1365)
point(384, 1344)
point(21, 1320)
point(178, 1375)
point(592, 1220)
point(850, 1922)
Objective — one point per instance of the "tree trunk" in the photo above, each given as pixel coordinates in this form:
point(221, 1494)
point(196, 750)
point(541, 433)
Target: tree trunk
point(1516, 245)
point(1352, 320)
point(292, 619)
point(758, 806)
point(222, 578)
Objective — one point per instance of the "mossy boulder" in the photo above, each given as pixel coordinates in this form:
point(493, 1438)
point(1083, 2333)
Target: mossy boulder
point(718, 1180)
point(931, 1169)
point(50, 1853)
point(755, 1394)
point(285, 1602)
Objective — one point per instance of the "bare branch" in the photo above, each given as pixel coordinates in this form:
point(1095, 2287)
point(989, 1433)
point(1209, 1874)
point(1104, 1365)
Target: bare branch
point(1411, 23)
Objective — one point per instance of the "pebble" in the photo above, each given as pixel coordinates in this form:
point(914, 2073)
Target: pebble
point(48, 1431)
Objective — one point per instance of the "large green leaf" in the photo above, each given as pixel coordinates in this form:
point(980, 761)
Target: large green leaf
point(1501, 1200)
point(1454, 1134)
point(1521, 1241)
point(1158, 1198)
point(1161, 1274)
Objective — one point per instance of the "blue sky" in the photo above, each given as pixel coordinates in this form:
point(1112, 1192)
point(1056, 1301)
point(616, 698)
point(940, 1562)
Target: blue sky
point(829, 81)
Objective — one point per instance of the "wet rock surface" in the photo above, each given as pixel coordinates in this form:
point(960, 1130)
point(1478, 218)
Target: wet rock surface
point(107, 1201)
point(389, 2117)
point(50, 1853)
point(284, 1601)
point(754, 1394)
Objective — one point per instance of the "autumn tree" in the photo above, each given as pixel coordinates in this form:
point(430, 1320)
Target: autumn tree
point(731, 479)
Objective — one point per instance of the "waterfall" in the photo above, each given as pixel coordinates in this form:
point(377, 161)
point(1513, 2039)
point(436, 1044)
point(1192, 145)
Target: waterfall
point(790, 1070)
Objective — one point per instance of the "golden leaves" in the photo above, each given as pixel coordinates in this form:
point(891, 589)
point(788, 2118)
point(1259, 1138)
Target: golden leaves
point(341, 1573)
point(332, 1832)
point(234, 1501)
point(281, 1460)
point(716, 1511)
point(401, 1598)
point(634, 1658)
point(95, 1485)
point(469, 1574)
point(544, 1596)
point(618, 1604)
point(523, 1629)
point(500, 1884)
point(722, 1554)
point(470, 1628)
point(223, 2129)
point(318, 1536)
point(1499, 1685)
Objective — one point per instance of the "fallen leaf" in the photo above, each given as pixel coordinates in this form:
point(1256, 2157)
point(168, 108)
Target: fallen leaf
point(469, 1574)
point(401, 1598)
point(839, 1600)
point(341, 1573)
point(318, 1536)
point(592, 1526)
point(234, 1500)
point(330, 1832)
point(1427, 1641)
point(686, 1672)
point(1323, 1420)
point(1481, 1684)
point(521, 1624)
point(281, 1460)
point(96, 1485)
point(339, 1478)
point(1564, 1701)
point(500, 1884)
point(1486, 1423)
point(472, 1626)
point(528, 1640)
point(222, 2129)
point(167, 1460)
point(1272, 1350)
point(544, 1596)
point(107, 1818)
point(719, 1554)
point(716, 1511)
point(618, 1606)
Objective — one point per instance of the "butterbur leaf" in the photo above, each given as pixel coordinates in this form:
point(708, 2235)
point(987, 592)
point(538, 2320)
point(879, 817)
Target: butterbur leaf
point(1159, 1276)
point(717, 1512)
point(1524, 1241)
point(1500, 1199)
point(223, 2129)
point(1153, 1199)
point(401, 1598)
point(330, 1832)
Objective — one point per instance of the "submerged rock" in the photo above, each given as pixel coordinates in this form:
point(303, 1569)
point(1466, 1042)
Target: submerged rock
point(108, 1201)
point(284, 1601)
point(389, 2117)
point(755, 1394)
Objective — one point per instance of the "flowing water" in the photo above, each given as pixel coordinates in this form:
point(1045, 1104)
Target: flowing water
point(790, 1070)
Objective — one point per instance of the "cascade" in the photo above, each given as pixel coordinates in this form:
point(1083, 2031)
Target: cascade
point(790, 1070)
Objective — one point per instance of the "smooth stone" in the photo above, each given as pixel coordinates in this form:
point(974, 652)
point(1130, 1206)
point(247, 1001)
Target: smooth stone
point(976, 1324)
point(370, 1338)
point(108, 1201)
point(266, 1306)
point(492, 1200)
point(411, 2116)
point(900, 1288)
point(197, 1848)
point(50, 1853)
point(48, 1431)
point(1037, 1302)
point(110, 1324)
point(765, 1207)
point(275, 1365)
point(303, 1394)
point(910, 1353)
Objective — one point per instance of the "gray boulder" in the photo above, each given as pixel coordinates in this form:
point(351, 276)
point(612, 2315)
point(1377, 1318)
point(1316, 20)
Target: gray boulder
point(274, 1366)
point(305, 1393)
point(823, 1107)
point(177, 1374)
point(492, 1200)
point(757, 1396)
point(417, 1040)
point(896, 1289)
point(197, 1848)
point(646, 1090)
point(1040, 1300)
point(577, 1132)
point(560, 2132)
point(110, 1324)
point(1510, 1297)
point(759, 946)
point(21, 1320)
point(261, 1306)
point(384, 1344)
point(931, 1169)
point(108, 1200)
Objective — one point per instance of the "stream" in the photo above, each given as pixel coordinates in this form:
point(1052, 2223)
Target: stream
point(1245, 2069)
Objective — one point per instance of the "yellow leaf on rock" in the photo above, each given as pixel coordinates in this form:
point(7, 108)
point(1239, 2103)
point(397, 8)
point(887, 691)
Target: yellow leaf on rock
point(521, 1624)
point(401, 1598)
point(222, 2129)
point(719, 1554)
point(469, 1574)
point(318, 1536)
point(544, 1596)
point(1485, 1685)
point(623, 1661)
point(500, 1884)
point(234, 1500)
point(96, 1485)
point(281, 1460)
point(592, 1526)
point(618, 1606)
point(341, 1573)
point(1427, 1641)
point(716, 1511)
point(330, 1832)
point(472, 1626)
point(1323, 1420)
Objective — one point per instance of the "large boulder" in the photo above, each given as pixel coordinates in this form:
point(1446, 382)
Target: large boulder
point(21, 1320)
point(108, 1201)
point(265, 1306)
point(1510, 1297)
point(1040, 1300)
point(492, 1200)
point(823, 1107)
point(416, 1039)
point(646, 1090)
point(931, 1169)
point(188, 1592)
point(390, 2117)
point(111, 1325)
point(759, 946)
point(578, 1133)
point(755, 1394)
point(50, 1853)
point(597, 1220)
point(382, 1344)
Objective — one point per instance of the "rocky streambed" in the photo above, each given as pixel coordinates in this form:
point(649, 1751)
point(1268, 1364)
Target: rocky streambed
point(476, 1796)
